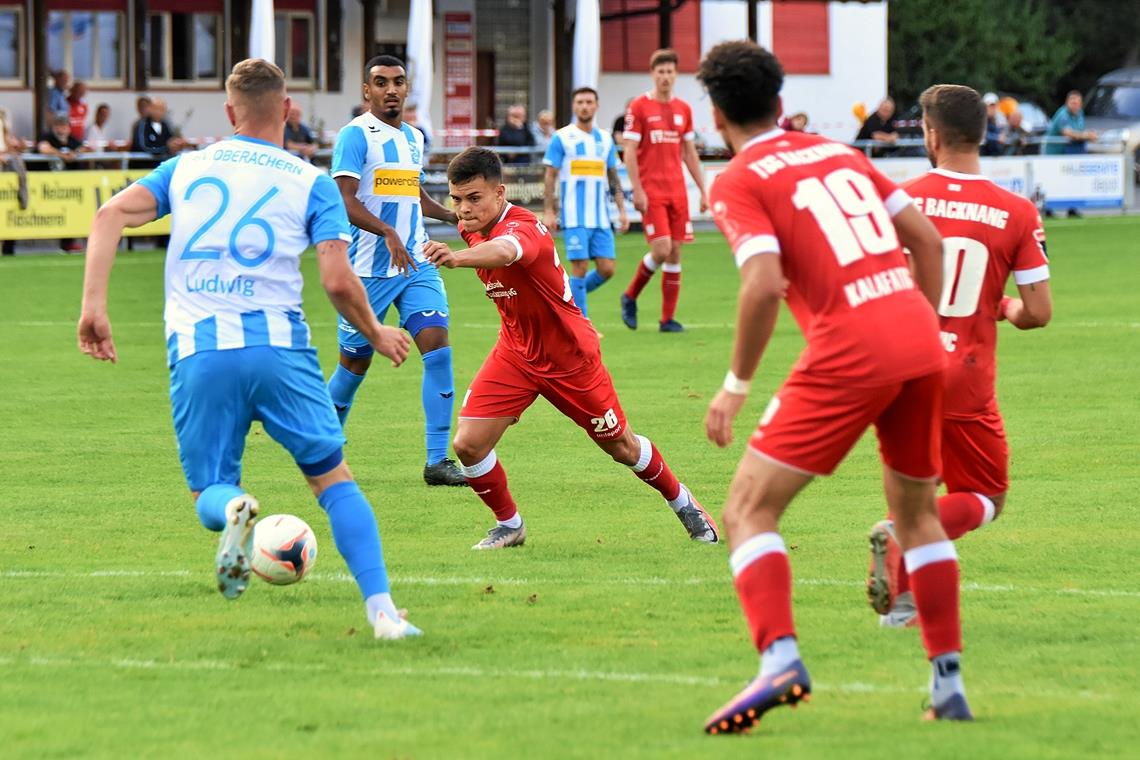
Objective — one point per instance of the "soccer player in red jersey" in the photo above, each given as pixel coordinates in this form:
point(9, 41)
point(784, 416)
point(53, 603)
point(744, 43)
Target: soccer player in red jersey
point(658, 139)
point(813, 221)
point(545, 348)
point(987, 232)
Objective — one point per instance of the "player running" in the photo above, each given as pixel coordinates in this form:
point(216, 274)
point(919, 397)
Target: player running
point(658, 139)
point(987, 232)
point(545, 348)
point(378, 166)
point(584, 161)
point(814, 221)
point(243, 212)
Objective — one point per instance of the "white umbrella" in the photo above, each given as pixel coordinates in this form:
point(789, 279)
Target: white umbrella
point(420, 69)
point(261, 31)
point(587, 44)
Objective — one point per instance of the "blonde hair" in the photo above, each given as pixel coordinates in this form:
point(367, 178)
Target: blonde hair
point(252, 80)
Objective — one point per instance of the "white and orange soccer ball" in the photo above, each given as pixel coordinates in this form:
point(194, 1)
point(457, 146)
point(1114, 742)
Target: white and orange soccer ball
point(284, 549)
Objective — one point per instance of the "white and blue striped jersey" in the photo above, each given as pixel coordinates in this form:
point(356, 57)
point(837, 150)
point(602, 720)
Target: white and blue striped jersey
point(242, 213)
point(389, 164)
point(582, 160)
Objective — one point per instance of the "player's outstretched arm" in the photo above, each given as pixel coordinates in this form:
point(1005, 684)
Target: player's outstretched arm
point(919, 235)
point(133, 207)
point(1034, 309)
point(362, 218)
point(433, 209)
point(348, 296)
point(491, 254)
point(762, 287)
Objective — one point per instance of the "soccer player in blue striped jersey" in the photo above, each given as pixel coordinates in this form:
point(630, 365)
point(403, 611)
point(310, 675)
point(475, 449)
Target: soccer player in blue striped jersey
point(378, 166)
point(583, 160)
point(243, 211)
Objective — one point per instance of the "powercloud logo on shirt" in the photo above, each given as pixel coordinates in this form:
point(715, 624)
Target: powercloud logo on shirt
point(396, 182)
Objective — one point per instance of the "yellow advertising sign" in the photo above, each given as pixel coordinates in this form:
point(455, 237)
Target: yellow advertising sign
point(396, 182)
point(63, 204)
point(587, 167)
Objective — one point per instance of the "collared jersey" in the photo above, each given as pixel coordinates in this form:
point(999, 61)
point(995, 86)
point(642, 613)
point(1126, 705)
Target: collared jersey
point(583, 160)
point(388, 161)
point(542, 330)
point(242, 213)
point(987, 234)
point(826, 212)
point(659, 129)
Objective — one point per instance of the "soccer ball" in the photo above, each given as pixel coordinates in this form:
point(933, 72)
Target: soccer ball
point(284, 549)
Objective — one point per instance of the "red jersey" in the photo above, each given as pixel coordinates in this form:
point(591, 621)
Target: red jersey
point(987, 232)
point(542, 330)
point(659, 129)
point(827, 212)
point(77, 117)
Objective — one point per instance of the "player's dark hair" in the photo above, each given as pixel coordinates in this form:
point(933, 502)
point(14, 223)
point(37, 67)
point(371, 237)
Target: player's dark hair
point(664, 55)
point(583, 90)
point(957, 112)
point(475, 162)
point(381, 60)
point(743, 80)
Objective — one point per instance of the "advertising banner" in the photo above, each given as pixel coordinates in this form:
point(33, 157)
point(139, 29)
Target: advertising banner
point(63, 204)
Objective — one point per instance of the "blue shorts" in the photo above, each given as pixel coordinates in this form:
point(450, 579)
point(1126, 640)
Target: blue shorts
point(216, 395)
point(588, 243)
point(420, 300)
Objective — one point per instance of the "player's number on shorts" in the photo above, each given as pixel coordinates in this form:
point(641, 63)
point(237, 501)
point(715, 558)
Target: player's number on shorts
point(964, 263)
point(249, 219)
point(849, 212)
point(608, 421)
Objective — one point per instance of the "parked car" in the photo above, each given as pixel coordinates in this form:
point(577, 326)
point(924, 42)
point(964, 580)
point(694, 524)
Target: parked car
point(1112, 109)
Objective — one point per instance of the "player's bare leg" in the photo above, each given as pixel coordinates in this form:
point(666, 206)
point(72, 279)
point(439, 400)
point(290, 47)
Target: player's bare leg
point(671, 289)
point(659, 250)
point(758, 496)
point(932, 565)
point(474, 444)
point(639, 454)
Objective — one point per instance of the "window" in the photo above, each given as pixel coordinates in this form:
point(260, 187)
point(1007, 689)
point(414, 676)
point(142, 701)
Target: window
point(11, 45)
point(88, 44)
point(184, 47)
point(295, 45)
point(628, 43)
point(800, 37)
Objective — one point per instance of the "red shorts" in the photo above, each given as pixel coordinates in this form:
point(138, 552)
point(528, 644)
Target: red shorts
point(668, 217)
point(811, 424)
point(975, 455)
point(502, 389)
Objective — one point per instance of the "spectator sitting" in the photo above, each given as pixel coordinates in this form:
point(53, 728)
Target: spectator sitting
point(58, 141)
point(992, 145)
point(797, 122)
point(77, 109)
point(1015, 137)
point(97, 137)
point(142, 105)
point(411, 117)
point(514, 132)
point(879, 126)
point(299, 139)
point(543, 129)
point(153, 134)
point(57, 95)
point(1069, 122)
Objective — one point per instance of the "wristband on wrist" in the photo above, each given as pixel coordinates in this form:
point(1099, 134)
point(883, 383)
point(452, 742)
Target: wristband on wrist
point(734, 384)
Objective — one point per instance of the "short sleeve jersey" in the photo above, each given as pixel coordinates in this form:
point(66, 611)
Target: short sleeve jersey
point(659, 129)
point(987, 233)
point(542, 330)
point(826, 211)
point(242, 213)
point(582, 160)
point(388, 161)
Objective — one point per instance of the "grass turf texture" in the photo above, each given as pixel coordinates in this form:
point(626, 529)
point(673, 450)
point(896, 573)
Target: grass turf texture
point(609, 634)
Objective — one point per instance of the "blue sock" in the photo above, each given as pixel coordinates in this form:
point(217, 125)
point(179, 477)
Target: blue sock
point(212, 503)
point(342, 388)
point(356, 535)
point(594, 281)
point(578, 290)
point(438, 393)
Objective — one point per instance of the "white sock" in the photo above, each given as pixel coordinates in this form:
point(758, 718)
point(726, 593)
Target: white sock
point(946, 677)
point(514, 522)
point(380, 603)
point(649, 262)
point(681, 501)
point(779, 655)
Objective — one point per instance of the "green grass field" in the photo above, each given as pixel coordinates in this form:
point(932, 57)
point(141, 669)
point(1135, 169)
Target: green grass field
point(609, 634)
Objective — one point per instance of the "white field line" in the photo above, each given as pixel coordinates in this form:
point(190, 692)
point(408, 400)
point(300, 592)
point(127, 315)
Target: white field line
point(647, 581)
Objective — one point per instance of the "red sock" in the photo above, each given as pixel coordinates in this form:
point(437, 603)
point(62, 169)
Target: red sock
point(491, 487)
point(640, 280)
point(961, 513)
point(763, 579)
point(653, 471)
point(670, 293)
point(934, 580)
